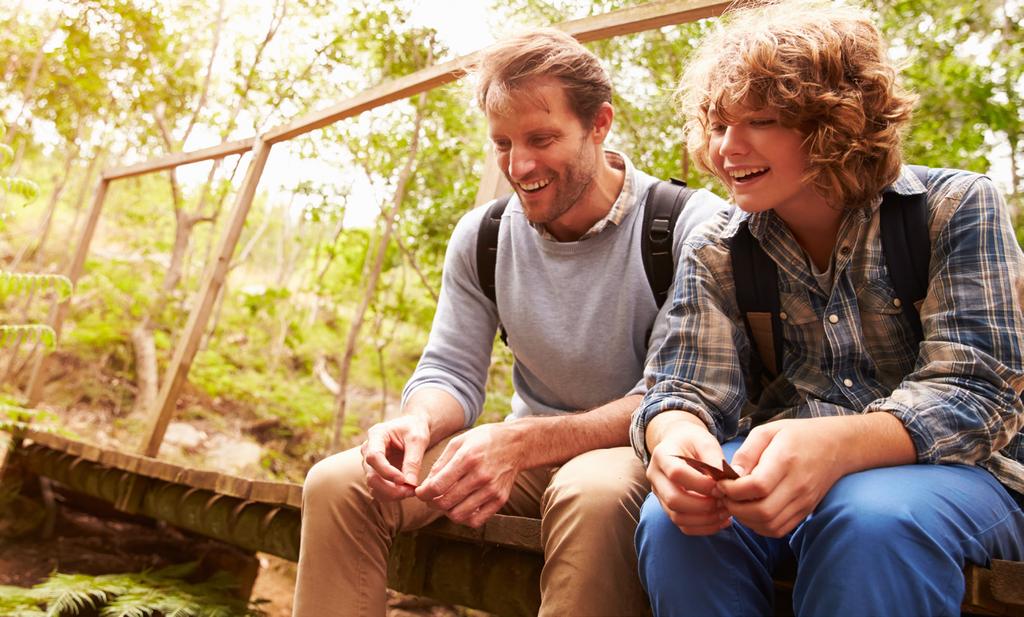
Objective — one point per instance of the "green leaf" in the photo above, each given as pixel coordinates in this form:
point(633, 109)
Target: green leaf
point(27, 189)
point(27, 333)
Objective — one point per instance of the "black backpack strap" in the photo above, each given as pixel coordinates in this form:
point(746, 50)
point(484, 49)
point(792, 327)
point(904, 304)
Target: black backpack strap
point(757, 294)
point(665, 200)
point(487, 250)
point(906, 246)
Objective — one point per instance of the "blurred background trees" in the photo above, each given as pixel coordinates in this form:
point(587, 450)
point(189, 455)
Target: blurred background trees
point(332, 289)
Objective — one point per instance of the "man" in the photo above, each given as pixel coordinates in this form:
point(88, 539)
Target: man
point(887, 451)
point(572, 295)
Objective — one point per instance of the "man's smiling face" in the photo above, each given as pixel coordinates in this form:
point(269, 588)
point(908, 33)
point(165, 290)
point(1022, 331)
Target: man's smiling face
point(546, 153)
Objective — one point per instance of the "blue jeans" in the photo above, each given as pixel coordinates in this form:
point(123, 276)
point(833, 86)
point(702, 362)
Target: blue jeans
point(887, 541)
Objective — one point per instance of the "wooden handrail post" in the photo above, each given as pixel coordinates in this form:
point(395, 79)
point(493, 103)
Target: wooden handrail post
point(59, 309)
point(492, 182)
point(216, 273)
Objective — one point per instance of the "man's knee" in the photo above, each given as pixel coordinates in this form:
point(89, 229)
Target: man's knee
point(336, 479)
point(608, 483)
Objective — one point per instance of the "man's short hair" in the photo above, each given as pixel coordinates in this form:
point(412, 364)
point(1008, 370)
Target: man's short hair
point(505, 68)
point(823, 68)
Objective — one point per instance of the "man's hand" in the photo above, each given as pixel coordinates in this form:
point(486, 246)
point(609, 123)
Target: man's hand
point(474, 475)
point(392, 455)
point(793, 464)
point(686, 494)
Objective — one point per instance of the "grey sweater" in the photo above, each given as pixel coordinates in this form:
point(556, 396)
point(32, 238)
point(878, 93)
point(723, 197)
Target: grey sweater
point(576, 313)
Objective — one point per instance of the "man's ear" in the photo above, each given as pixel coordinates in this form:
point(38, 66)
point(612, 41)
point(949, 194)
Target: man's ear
point(602, 122)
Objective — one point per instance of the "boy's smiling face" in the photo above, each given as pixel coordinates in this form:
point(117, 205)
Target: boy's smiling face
point(761, 162)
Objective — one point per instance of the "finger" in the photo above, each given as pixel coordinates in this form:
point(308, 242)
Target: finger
point(382, 490)
point(694, 510)
point(485, 512)
point(415, 447)
point(375, 458)
point(683, 476)
point(749, 453)
point(464, 509)
point(466, 486)
point(759, 484)
point(446, 472)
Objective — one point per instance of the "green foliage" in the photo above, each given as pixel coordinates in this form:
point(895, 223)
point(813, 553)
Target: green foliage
point(16, 283)
point(164, 592)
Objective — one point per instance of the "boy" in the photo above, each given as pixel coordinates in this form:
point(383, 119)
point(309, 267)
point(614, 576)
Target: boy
point(880, 462)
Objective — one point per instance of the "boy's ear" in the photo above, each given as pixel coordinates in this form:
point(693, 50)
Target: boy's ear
point(602, 122)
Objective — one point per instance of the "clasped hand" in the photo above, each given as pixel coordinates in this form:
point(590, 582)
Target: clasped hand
point(792, 465)
point(470, 481)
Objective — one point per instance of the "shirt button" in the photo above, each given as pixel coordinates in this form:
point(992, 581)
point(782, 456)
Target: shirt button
point(897, 302)
point(783, 316)
point(833, 318)
point(844, 250)
point(848, 383)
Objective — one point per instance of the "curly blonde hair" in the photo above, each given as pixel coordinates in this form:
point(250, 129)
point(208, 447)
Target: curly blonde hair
point(823, 68)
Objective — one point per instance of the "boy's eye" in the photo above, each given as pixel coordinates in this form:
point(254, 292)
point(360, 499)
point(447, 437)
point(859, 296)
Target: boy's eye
point(762, 122)
point(716, 128)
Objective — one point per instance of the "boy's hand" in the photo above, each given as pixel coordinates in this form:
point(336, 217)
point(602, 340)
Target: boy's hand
point(688, 496)
point(473, 477)
point(793, 464)
point(392, 455)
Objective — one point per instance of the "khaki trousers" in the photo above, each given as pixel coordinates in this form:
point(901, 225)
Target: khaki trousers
point(588, 509)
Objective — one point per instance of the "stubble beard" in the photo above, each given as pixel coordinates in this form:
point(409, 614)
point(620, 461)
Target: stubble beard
point(571, 187)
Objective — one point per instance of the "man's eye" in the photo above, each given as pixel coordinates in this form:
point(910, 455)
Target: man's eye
point(541, 142)
point(502, 146)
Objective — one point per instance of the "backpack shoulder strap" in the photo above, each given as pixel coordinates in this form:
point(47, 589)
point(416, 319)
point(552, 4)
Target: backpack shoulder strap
point(487, 250)
point(487, 245)
point(906, 245)
point(757, 294)
point(665, 200)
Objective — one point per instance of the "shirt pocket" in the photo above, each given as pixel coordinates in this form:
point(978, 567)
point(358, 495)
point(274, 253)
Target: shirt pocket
point(803, 331)
point(885, 333)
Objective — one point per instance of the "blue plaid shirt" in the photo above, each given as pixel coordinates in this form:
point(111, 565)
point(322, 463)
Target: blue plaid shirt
point(850, 350)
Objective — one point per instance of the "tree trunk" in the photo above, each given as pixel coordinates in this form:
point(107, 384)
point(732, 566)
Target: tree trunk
point(36, 244)
point(371, 283)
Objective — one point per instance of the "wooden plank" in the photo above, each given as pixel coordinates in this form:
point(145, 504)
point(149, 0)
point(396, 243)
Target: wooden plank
point(492, 182)
point(270, 492)
point(202, 307)
point(180, 158)
point(59, 310)
point(614, 23)
point(642, 18)
point(513, 531)
point(394, 90)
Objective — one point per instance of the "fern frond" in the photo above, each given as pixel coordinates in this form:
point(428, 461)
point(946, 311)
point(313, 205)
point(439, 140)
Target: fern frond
point(26, 189)
point(6, 154)
point(18, 283)
point(134, 603)
point(27, 333)
point(19, 602)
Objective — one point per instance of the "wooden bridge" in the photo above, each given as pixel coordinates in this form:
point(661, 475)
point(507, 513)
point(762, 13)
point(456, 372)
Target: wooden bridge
point(495, 568)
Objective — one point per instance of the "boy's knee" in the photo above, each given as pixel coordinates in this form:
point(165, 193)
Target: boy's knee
point(868, 515)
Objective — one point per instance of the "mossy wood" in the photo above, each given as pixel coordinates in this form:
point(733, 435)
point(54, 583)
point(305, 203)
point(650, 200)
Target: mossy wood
point(495, 568)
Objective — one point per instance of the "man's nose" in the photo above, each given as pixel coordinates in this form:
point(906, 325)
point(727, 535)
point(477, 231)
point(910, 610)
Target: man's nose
point(520, 163)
